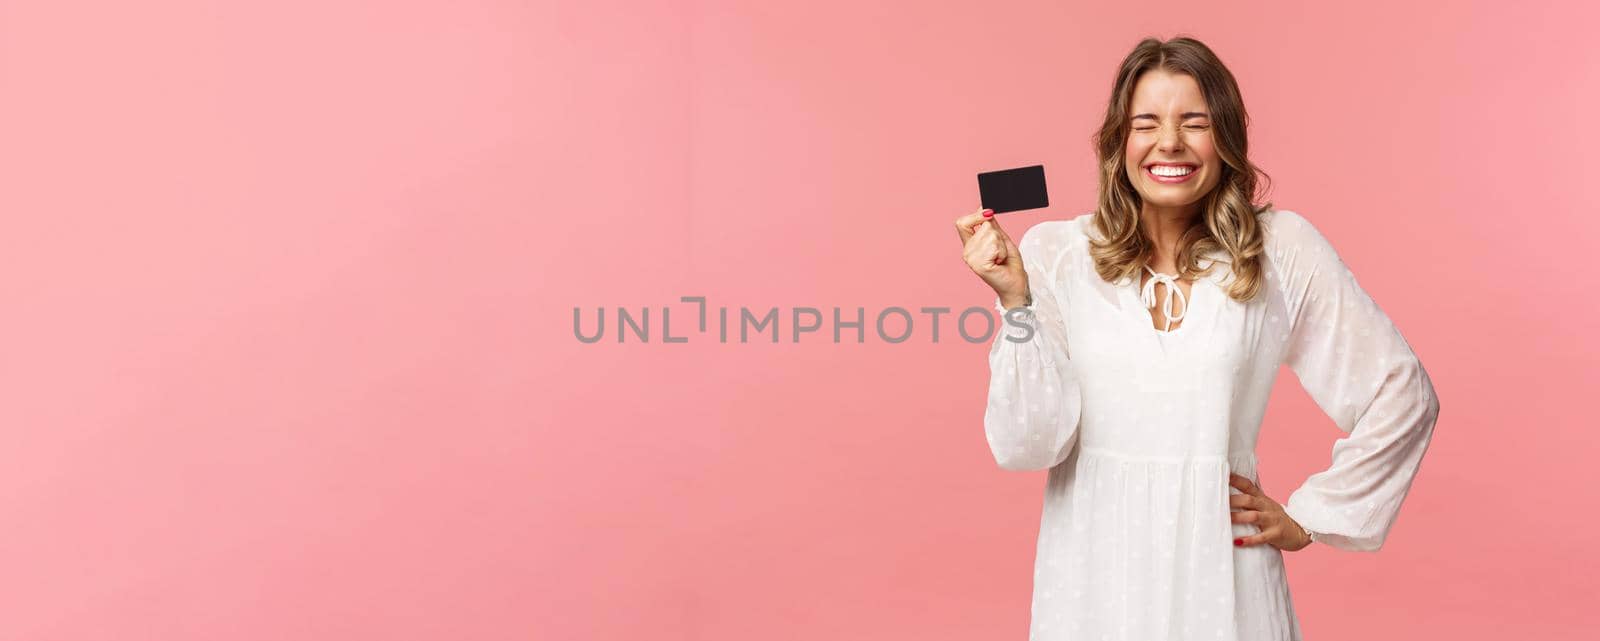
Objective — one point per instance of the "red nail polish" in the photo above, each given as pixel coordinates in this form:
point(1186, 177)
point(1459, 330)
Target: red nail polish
point(988, 213)
point(1238, 541)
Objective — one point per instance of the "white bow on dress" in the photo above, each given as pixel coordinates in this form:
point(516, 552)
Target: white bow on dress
point(1148, 295)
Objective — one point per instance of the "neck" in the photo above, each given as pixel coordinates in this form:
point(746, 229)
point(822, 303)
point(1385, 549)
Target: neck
point(1164, 226)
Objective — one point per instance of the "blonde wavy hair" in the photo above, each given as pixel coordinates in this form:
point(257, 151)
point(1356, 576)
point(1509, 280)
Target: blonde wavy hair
point(1228, 221)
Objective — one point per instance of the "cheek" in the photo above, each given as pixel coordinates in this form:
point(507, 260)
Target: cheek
point(1132, 155)
point(1135, 149)
point(1205, 148)
point(1213, 161)
point(1207, 153)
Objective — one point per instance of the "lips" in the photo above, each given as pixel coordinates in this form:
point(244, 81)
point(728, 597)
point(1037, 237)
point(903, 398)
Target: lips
point(1149, 171)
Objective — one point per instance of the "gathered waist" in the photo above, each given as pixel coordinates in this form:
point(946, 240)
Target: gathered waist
point(1212, 465)
point(1239, 458)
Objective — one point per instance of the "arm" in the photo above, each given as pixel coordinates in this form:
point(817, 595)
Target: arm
point(1354, 363)
point(1031, 420)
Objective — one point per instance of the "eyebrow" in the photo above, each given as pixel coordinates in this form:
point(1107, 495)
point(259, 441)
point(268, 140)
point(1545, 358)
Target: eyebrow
point(1186, 115)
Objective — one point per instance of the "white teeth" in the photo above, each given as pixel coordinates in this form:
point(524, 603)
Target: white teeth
point(1165, 170)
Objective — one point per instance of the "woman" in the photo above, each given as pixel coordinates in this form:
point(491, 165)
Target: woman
point(1146, 415)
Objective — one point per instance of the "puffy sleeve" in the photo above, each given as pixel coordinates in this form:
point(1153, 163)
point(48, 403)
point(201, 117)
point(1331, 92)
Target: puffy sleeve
point(1031, 420)
point(1353, 362)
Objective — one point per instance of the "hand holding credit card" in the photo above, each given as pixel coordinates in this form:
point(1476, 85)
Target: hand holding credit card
point(991, 254)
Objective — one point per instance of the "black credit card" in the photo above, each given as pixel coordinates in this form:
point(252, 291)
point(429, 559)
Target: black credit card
point(1013, 189)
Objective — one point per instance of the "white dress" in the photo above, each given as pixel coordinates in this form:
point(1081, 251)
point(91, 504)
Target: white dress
point(1140, 430)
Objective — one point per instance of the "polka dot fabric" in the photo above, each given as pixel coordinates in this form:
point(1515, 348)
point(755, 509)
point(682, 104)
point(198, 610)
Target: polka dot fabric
point(1140, 428)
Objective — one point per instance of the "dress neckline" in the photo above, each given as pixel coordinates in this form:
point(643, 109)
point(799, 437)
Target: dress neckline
point(1147, 296)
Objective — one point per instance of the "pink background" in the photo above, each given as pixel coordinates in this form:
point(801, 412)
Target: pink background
point(288, 297)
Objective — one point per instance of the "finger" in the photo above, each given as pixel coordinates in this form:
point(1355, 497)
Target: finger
point(1001, 253)
point(968, 224)
point(983, 248)
point(998, 228)
point(1244, 484)
point(1246, 516)
point(1253, 539)
point(965, 225)
point(984, 242)
point(1247, 501)
point(1011, 247)
point(981, 236)
point(1005, 239)
point(984, 236)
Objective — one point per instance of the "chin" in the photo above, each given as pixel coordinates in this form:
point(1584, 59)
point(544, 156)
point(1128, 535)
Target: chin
point(1168, 201)
point(1158, 196)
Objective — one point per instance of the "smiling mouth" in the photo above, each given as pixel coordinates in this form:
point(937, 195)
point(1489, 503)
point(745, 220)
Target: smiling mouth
point(1170, 173)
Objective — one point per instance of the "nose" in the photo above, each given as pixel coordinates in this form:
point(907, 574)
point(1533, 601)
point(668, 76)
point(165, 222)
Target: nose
point(1170, 140)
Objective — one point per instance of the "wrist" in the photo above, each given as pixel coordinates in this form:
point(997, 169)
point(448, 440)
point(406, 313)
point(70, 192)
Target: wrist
point(1306, 535)
point(1013, 302)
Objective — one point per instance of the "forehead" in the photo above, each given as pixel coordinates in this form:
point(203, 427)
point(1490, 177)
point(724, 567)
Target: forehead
point(1159, 90)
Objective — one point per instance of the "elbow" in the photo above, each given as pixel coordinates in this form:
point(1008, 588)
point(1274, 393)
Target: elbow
point(1367, 544)
point(1033, 426)
point(1419, 380)
point(1032, 450)
point(1017, 461)
point(1011, 450)
point(1429, 396)
point(1370, 545)
point(1022, 461)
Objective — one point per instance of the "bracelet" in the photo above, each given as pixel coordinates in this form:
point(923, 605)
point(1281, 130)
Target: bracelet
point(1026, 304)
